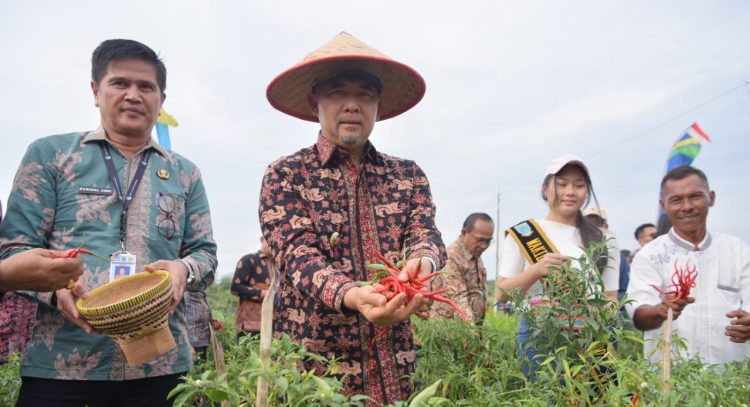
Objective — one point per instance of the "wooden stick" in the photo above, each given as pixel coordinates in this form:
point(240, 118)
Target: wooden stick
point(666, 355)
point(266, 334)
point(218, 358)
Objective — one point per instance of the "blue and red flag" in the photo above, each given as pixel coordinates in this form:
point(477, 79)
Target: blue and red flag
point(687, 147)
point(683, 152)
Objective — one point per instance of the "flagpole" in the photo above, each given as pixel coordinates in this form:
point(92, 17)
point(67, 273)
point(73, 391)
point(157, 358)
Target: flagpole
point(497, 236)
point(497, 250)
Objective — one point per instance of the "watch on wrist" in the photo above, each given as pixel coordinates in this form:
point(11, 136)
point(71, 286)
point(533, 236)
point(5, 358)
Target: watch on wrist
point(190, 273)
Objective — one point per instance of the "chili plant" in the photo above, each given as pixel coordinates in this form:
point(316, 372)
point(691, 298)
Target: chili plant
point(290, 385)
point(574, 333)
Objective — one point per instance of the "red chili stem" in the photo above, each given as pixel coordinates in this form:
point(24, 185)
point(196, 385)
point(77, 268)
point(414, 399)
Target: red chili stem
point(416, 270)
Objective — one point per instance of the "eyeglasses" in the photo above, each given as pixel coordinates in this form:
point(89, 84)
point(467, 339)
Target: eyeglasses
point(481, 240)
point(166, 204)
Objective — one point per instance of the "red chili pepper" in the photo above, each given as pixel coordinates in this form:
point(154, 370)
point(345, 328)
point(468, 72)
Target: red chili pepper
point(74, 253)
point(683, 279)
point(392, 286)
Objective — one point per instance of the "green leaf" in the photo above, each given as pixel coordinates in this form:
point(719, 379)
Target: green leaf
point(217, 395)
point(423, 396)
point(282, 383)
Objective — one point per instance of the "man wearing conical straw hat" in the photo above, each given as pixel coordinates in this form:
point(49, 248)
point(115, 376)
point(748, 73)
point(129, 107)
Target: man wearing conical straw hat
point(328, 210)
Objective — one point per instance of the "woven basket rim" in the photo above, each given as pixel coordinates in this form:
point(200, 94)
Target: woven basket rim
point(127, 302)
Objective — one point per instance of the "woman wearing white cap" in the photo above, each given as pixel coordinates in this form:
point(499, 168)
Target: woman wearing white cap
point(534, 247)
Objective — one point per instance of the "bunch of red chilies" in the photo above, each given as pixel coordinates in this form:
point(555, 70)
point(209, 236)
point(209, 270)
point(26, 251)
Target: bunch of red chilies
point(683, 279)
point(392, 286)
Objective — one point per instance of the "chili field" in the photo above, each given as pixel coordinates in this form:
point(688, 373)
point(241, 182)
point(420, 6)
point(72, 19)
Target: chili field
point(461, 365)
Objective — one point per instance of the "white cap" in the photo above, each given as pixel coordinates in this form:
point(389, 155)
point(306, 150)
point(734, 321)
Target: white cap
point(595, 211)
point(558, 163)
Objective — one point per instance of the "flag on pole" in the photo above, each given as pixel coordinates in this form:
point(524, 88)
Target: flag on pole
point(687, 147)
point(683, 152)
point(163, 123)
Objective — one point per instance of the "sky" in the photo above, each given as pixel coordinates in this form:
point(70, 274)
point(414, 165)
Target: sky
point(510, 85)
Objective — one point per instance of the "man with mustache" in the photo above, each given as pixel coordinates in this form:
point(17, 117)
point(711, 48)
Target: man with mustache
point(464, 275)
point(124, 197)
point(328, 209)
point(713, 320)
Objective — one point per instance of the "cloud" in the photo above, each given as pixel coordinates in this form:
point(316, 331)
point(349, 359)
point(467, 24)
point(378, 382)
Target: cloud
point(509, 85)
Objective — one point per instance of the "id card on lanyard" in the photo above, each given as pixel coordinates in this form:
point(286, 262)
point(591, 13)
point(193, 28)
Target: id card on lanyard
point(122, 263)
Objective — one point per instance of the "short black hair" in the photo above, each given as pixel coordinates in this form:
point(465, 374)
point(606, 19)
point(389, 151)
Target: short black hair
point(682, 172)
point(471, 220)
point(639, 229)
point(119, 49)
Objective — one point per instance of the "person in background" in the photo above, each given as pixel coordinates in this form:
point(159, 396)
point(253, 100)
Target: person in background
point(537, 247)
point(250, 284)
point(645, 233)
point(464, 275)
point(627, 255)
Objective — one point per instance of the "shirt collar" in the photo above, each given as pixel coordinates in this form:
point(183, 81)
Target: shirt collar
point(678, 241)
point(328, 151)
point(101, 135)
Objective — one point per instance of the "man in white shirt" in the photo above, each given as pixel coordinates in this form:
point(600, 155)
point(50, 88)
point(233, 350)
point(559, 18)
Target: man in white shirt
point(714, 319)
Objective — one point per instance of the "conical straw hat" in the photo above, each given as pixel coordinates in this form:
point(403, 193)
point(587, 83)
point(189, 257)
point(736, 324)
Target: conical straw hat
point(403, 87)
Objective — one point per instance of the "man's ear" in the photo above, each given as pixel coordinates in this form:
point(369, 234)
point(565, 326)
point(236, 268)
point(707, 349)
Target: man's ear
point(163, 98)
point(661, 205)
point(95, 90)
point(312, 101)
point(712, 198)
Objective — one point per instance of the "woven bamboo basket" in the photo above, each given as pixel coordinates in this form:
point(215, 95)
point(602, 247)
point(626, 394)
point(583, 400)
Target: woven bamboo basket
point(133, 311)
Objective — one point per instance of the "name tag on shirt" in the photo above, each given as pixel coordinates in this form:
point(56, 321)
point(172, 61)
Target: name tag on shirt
point(95, 191)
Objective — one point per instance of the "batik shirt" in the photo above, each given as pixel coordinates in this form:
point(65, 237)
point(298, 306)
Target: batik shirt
point(51, 206)
point(465, 278)
point(17, 317)
point(251, 276)
point(198, 318)
point(324, 219)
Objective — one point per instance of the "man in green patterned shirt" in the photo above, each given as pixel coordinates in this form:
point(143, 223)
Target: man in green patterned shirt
point(114, 190)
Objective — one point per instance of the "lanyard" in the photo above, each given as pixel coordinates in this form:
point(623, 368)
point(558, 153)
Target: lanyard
point(134, 184)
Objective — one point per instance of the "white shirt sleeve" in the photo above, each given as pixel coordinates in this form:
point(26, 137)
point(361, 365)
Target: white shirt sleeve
point(744, 266)
point(611, 274)
point(512, 261)
point(643, 273)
